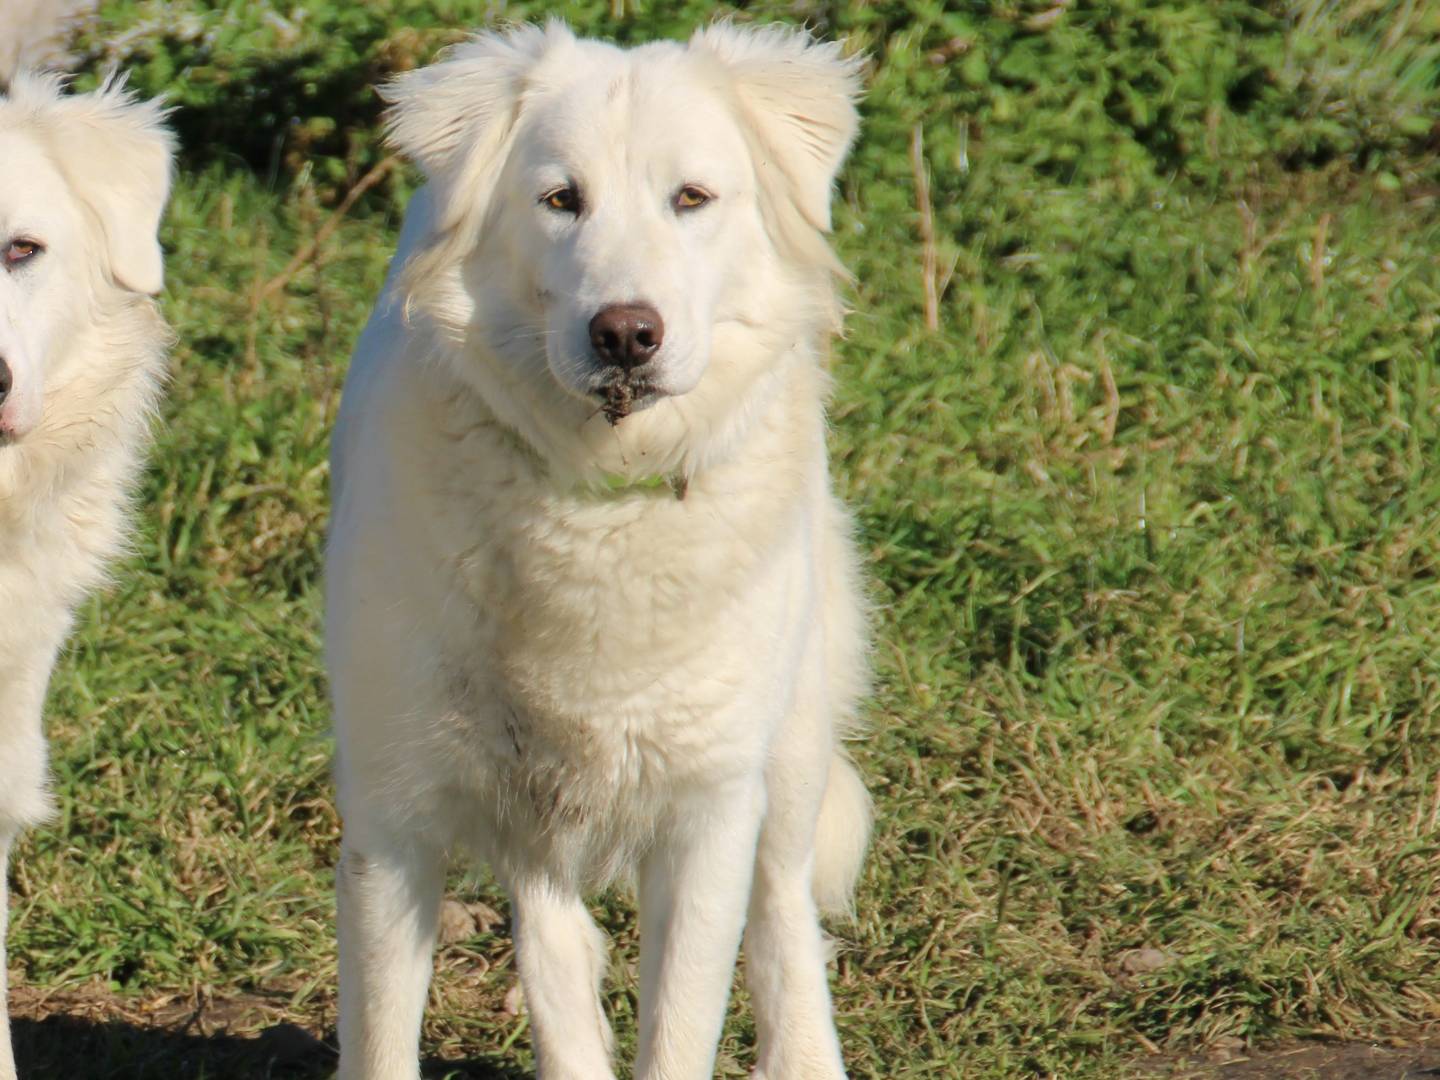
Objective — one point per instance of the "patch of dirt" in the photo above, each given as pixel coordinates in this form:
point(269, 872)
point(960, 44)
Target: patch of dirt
point(93, 1033)
point(619, 400)
point(1416, 1059)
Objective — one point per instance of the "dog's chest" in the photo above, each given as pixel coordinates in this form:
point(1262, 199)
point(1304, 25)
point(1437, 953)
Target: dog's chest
point(63, 488)
point(57, 529)
point(616, 648)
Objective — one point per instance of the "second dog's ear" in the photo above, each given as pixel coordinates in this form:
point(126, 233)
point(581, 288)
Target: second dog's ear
point(116, 154)
point(798, 97)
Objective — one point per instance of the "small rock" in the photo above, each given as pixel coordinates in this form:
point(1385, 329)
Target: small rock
point(1225, 1048)
point(1143, 961)
point(456, 923)
point(486, 917)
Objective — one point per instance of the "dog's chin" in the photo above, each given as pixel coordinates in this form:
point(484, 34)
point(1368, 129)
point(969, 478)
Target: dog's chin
point(624, 397)
point(620, 393)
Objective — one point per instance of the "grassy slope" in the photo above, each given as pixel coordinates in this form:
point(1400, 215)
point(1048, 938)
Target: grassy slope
point(1152, 517)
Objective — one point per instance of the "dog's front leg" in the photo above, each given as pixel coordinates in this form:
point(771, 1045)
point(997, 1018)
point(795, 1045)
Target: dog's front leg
point(694, 886)
point(785, 950)
point(561, 956)
point(388, 895)
point(7, 1058)
point(23, 797)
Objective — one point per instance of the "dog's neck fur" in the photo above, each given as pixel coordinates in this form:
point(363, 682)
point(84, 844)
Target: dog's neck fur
point(87, 435)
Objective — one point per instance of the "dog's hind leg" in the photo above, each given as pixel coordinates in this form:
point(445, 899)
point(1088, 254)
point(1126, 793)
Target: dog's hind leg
point(693, 889)
point(388, 897)
point(560, 953)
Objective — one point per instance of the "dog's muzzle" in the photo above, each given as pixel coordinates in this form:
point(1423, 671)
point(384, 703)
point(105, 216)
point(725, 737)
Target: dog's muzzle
point(624, 338)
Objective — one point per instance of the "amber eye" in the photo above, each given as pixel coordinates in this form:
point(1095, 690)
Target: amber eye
point(20, 250)
point(690, 197)
point(565, 199)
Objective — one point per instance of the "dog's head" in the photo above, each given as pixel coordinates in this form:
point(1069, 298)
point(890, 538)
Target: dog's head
point(83, 181)
point(623, 223)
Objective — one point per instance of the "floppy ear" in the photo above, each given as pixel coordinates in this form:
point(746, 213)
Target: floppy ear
point(455, 120)
point(454, 117)
point(798, 95)
point(116, 154)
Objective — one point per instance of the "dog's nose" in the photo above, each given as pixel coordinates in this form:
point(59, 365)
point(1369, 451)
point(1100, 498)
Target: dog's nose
point(626, 335)
point(6, 380)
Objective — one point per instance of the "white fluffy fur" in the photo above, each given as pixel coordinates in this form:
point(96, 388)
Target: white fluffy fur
point(86, 176)
point(574, 682)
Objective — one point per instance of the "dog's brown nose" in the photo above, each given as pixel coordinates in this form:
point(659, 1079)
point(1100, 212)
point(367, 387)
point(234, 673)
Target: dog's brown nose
point(6, 380)
point(626, 335)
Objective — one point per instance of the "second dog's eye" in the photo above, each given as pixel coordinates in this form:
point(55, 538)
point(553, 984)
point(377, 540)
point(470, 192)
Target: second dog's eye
point(691, 197)
point(565, 199)
point(18, 251)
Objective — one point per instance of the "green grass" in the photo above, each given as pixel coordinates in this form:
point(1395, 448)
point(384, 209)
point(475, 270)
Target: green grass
point(1153, 518)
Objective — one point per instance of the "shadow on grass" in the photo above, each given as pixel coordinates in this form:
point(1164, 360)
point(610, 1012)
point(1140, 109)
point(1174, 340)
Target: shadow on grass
point(80, 1048)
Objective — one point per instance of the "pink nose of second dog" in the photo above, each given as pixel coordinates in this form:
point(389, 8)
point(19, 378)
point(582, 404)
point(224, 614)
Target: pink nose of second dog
point(626, 335)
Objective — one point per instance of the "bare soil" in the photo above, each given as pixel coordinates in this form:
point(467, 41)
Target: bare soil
point(95, 1034)
point(1413, 1059)
point(92, 1033)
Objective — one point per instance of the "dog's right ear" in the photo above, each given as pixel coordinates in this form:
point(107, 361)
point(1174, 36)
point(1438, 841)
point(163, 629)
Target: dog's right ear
point(454, 117)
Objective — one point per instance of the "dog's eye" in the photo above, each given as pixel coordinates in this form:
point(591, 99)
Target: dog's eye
point(691, 197)
point(19, 251)
point(565, 199)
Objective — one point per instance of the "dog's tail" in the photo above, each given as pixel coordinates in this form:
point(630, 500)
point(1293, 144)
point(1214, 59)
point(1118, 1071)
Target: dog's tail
point(841, 837)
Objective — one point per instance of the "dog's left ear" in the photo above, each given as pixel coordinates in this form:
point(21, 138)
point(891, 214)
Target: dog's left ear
point(798, 96)
point(117, 154)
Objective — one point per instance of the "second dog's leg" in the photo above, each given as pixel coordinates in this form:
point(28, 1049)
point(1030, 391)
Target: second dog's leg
point(23, 798)
point(561, 956)
point(693, 892)
point(7, 1059)
point(389, 900)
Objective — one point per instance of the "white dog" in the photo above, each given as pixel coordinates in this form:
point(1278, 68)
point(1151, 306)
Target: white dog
point(592, 607)
point(83, 181)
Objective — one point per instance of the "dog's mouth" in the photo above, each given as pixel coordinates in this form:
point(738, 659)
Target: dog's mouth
point(12, 428)
point(624, 393)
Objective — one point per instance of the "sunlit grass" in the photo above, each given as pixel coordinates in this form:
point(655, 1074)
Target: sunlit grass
point(1153, 519)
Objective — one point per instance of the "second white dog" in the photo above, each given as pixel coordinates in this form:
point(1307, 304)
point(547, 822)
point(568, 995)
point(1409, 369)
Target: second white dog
point(83, 181)
point(592, 608)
